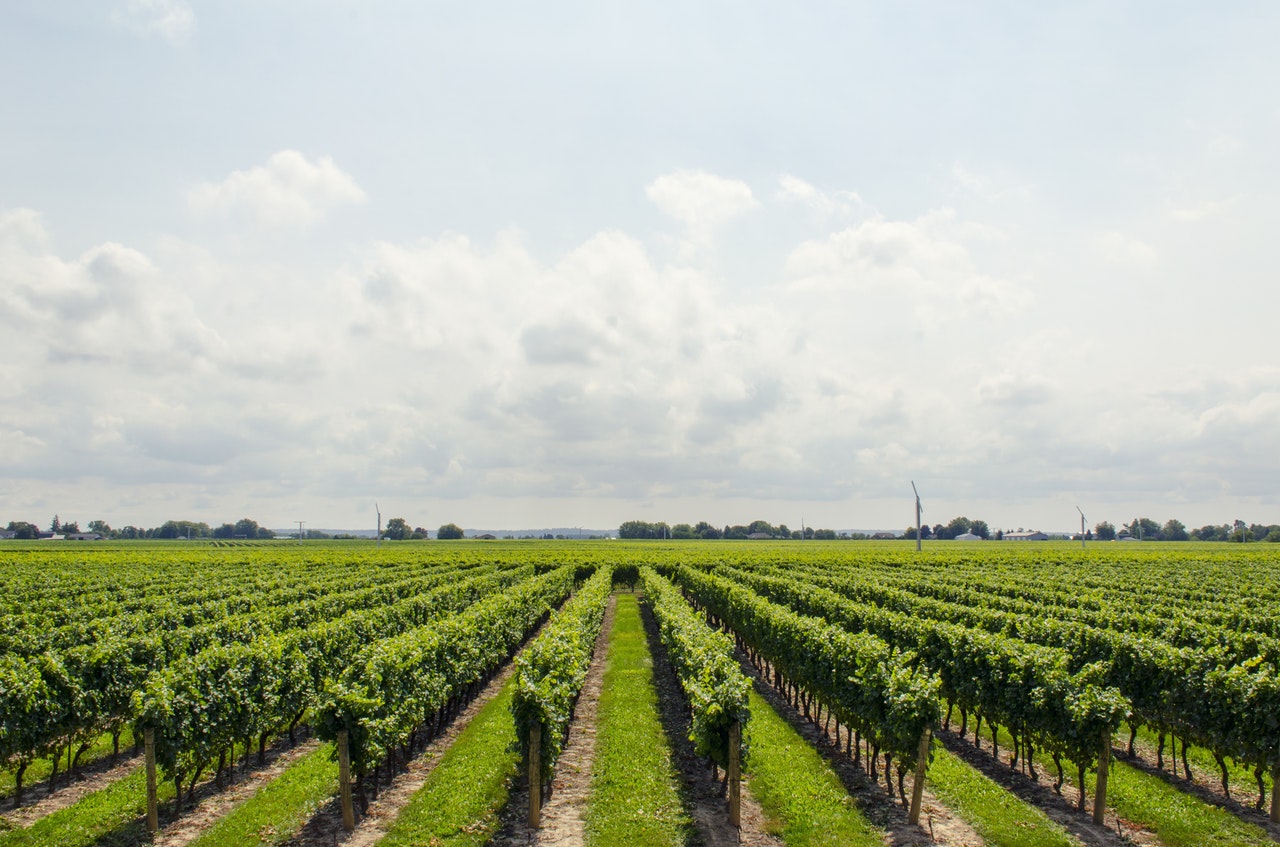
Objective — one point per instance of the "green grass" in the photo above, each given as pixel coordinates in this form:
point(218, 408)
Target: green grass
point(804, 801)
point(1177, 818)
point(112, 817)
point(1244, 787)
point(280, 808)
point(462, 796)
point(40, 769)
point(997, 815)
point(634, 798)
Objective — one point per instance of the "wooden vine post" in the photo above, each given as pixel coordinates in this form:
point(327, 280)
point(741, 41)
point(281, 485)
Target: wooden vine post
point(344, 781)
point(1275, 796)
point(153, 803)
point(922, 766)
point(1100, 795)
point(535, 774)
point(735, 774)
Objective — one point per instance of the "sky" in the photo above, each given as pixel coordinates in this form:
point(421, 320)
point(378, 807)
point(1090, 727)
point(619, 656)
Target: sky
point(571, 264)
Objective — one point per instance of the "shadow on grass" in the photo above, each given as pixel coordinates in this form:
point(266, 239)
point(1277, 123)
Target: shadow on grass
point(882, 810)
point(1202, 792)
point(1056, 806)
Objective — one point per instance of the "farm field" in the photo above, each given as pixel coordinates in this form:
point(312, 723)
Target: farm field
point(822, 670)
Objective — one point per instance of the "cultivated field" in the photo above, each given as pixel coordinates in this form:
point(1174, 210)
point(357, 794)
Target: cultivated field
point(610, 693)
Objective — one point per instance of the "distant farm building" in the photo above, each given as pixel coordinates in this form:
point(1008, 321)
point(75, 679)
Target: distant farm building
point(1033, 535)
point(969, 536)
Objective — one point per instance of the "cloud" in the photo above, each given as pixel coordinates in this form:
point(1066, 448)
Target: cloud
point(987, 188)
point(1014, 391)
point(289, 192)
point(824, 204)
point(702, 202)
point(172, 20)
point(1207, 210)
point(922, 267)
point(1126, 250)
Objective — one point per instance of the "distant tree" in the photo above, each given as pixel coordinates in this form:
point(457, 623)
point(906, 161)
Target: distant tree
point(643, 529)
point(130, 532)
point(248, 528)
point(1211, 533)
point(1143, 528)
point(1105, 531)
point(706, 530)
point(980, 529)
point(23, 530)
point(70, 527)
point(449, 532)
point(1273, 536)
point(101, 528)
point(939, 531)
point(783, 531)
point(824, 535)
point(55, 526)
point(760, 526)
point(1173, 530)
point(180, 529)
point(397, 529)
point(736, 531)
point(926, 532)
point(999, 535)
point(682, 531)
point(910, 534)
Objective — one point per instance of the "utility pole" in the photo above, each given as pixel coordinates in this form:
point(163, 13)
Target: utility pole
point(918, 511)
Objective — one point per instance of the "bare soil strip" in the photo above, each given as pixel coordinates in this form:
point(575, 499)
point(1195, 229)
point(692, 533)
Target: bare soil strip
point(938, 825)
point(1039, 792)
point(562, 824)
point(212, 806)
point(705, 793)
point(1207, 785)
point(87, 780)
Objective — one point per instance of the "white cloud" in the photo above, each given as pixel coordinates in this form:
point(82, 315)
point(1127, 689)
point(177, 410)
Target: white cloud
point(823, 203)
point(1126, 250)
point(922, 267)
point(987, 187)
point(172, 20)
point(1193, 213)
point(702, 202)
point(289, 192)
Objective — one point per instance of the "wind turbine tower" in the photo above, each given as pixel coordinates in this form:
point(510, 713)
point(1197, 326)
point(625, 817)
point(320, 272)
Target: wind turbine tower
point(1081, 527)
point(379, 511)
point(918, 511)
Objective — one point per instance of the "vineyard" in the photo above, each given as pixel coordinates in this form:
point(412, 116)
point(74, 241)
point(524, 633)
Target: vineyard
point(471, 693)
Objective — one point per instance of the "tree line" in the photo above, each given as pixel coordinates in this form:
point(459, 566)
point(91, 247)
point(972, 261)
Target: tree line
point(398, 529)
point(243, 528)
point(705, 530)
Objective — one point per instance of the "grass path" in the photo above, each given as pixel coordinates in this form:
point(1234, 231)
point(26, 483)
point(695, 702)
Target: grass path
point(1002, 819)
point(1178, 819)
point(111, 817)
point(634, 798)
point(461, 798)
point(93, 758)
point(1143, 801)
point(804, 802)
point(279, 809)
